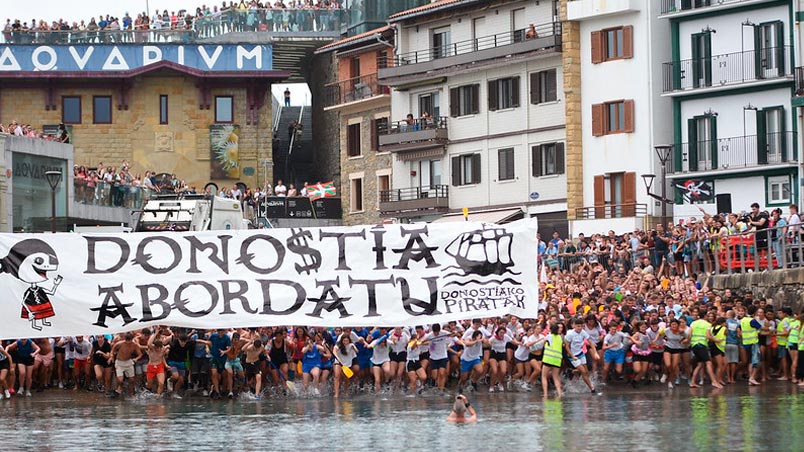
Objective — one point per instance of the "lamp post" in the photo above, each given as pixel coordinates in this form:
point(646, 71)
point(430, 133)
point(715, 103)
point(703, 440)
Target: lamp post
point(663, 152)
point(53, 178)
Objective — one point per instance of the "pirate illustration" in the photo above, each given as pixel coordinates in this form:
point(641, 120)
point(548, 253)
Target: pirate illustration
point(30, 260)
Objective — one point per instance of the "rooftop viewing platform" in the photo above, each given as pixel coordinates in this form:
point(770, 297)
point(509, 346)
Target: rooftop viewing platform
point(316, 23)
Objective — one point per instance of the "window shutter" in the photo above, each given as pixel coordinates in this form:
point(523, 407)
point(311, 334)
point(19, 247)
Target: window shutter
point(559, 158)
point(600, 197)
point(515, 91)
point(629, 195)
point(456, 171)
point(551, 86)
point(475, 98)
point(502, 165)
point(475, 168)
point(628, 42)
point(535, 87)
point(597, 120)
point(692, 144)
point(454, 102)
point(536, 160)
point(375, 145)
point(492, 95)
point(629, 116)
point(762, 138)
point(597, 47)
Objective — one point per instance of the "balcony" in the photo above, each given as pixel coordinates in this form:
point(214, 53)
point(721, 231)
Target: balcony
point(320, 23)
point(445, 58)
point(736, 152)
point(416, 134)
point(610, 211)
point(592, 9)
point(727, 70)
point(687, 7)
point(414, 201)
point(353, 90)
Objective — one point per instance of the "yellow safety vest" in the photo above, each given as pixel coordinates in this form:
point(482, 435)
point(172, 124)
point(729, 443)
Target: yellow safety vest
point(721, 334)
point(554, 351)
point(699, 329)
point(795, 329)
point(750, 336)
point(781, 340)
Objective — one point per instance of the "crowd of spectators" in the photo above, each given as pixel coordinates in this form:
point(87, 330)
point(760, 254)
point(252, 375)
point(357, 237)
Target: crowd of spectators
point(205, 21)
point(120, 187)
point(708, 244)
point(26, 130)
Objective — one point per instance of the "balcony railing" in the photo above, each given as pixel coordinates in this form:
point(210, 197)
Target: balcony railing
point(414, 201)
point(728, 69)
point(608, 211)
point(737, 152)
point(277, 21)
point(544, 36)
point(110, 195)
point(800, 81)
point(413, 132)
point(677, 6)
point(354, 89)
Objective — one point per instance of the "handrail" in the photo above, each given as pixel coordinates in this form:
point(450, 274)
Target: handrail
point(270, 20)
point(607, 211)
point(736, 152)
point(477, 44)
point(413, 193)
point(414, 125)
point(277, 117)
point(676, 6)
point(354, 89)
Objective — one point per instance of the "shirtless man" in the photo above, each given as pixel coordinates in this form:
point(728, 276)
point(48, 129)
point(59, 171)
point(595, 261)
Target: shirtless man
point(127, 353)
point(43, 363)
point(157, 353)
point(462, 411)
point(255, 351)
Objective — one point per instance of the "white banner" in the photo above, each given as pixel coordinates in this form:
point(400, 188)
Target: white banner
point(384, 275)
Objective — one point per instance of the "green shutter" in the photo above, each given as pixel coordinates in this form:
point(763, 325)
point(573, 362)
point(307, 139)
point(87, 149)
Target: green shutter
point(692, 144)
point(759, 65)
point(762, 138)
point(780, 48)
point(713, 141)
point(783, 136)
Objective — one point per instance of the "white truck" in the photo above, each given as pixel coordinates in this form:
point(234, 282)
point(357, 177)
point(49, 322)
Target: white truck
point(190, 212)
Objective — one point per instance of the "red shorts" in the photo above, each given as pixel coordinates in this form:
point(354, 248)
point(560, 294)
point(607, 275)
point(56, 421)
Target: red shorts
point(78, 363)
point(153, 370)
point(40, 311)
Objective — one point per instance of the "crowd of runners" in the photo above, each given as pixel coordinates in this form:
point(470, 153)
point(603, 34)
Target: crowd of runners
point(595, 330)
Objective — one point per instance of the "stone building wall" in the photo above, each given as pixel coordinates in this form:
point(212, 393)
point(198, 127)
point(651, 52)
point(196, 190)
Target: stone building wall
point(323, 70)
point(181, 147)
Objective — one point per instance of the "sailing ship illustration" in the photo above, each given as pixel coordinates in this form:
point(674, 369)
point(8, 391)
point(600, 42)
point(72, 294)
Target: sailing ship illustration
point(483, 252)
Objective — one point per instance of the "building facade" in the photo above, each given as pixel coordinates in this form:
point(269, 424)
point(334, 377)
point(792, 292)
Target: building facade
point(731, 80)
point(478, 118)
point(363, 108)
point(623, 115)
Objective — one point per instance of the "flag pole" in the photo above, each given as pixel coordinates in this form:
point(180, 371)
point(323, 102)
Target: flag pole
point(312, 207)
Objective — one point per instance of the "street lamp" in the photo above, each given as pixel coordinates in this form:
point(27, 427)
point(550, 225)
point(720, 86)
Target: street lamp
point(663, 152)
point(53, 178)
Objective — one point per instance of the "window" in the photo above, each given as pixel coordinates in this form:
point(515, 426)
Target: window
point(429, 103)
point(356, 195)
point(612, 44)
point(771, 138)
point(464, 100)
point(613, 117)
point(548, 159)
point(353, 140)
point(503, 93)
point(543, 87)
point(71, 110)
point(779, 190)
point(102, 109)
point(701, 59)
point(505, 162)
point(224, 109)
point(163, 109)
point(769, 40)
point(383, 186)
point(466, 169)
point(378, 127)
point(702, 143)
point(441, 43)
point(615, 195)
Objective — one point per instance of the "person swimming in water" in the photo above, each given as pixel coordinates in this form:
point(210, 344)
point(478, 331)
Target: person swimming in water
point(462, 411)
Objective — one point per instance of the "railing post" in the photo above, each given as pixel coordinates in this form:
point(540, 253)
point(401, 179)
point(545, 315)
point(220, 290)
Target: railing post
point(727, 239)
point(757, 251)
point(742, 253)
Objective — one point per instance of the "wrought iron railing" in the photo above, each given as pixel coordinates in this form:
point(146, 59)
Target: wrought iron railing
point(414, 125)
point(607, 211)
point(354, 89)
point(737, 152)
point(414, 193)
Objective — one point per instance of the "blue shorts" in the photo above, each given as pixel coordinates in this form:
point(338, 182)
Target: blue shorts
point(326, 364)
point(782, 352)
point(467, 366)
point(438, 363)
point(178, 367)
point(364, 361)
point(614, 356)
point(308, 367)
point(234, 365)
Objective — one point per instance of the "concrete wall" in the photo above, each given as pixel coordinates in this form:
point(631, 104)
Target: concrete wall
point(785, 287)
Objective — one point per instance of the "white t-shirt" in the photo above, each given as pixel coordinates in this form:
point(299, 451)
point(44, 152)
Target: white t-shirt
point(438, 344)
point(472, 352)
point(346, 358)
point(575, 341)
point(498, 345)
point(400, 342)
point(81, 349)
point(471, 331)
point(280, 190)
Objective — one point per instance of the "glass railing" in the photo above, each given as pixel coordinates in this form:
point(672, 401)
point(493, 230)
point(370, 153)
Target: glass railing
point(110, 195)
point(277, 21)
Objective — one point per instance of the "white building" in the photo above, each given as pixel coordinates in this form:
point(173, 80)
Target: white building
point(493, 87)
point(622, 46)
point(730, 79)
